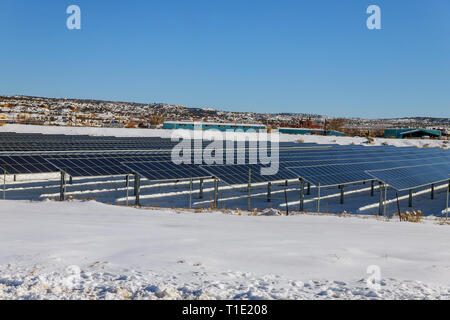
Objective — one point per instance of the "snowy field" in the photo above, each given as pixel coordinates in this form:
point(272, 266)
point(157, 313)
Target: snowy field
point(93, 250)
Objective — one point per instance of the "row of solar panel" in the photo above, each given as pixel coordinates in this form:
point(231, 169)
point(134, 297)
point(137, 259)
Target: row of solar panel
point(326, 173)
point(45, 146)
point(405, 178)
point(32, 164)
point(348, 173)
point(300, 157)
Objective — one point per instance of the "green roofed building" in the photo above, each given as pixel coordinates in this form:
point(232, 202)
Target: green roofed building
point(173, 125)
point(411, 133)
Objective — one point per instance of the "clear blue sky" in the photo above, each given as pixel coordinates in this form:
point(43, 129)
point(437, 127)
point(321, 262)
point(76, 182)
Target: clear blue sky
point(240, 55)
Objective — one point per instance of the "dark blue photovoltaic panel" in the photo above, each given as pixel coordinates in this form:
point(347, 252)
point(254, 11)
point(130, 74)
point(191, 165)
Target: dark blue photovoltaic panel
point(239, 174)
point(25, 164)
point(331, 175)
point(393, 159)
point(26, 142)
point(103, 156)
point(89, 167)
point(412, 177)
point(366, 153)
point(166, 170)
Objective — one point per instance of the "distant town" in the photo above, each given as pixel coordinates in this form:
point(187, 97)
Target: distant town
point(97, 113)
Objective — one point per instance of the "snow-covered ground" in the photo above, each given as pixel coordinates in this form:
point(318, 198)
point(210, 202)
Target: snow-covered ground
point(91, 250)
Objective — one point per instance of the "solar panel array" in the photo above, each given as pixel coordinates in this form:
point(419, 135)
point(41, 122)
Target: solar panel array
point(12, 142)
point(327, 165)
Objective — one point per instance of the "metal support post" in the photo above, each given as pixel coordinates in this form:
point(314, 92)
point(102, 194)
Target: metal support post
point(4, 185)
point(446, 207)
point(410, 204)
point(190, 193)
point(249, 189)
point(137, 188)
point(62, 194)
point(318, 198)
point(302, 195)
point(380, 206)
point(216, 193)
point(200, 193)
point(127, 180)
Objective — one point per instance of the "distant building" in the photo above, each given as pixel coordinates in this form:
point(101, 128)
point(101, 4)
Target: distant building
point(411, 133)
point(212, 126)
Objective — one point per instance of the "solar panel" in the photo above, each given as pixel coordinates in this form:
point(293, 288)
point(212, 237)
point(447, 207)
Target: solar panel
point(25, 165)
point(239, 174)
point(359, 154)
point(332, 175)
point(104, 156)
point(404, 178)
point(166, 170)
point(386, 161)
point(329, 175)
point(88, 167)
point(13, 142)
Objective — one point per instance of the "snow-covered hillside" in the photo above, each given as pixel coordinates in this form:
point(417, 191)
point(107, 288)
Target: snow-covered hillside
point(90, 250)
